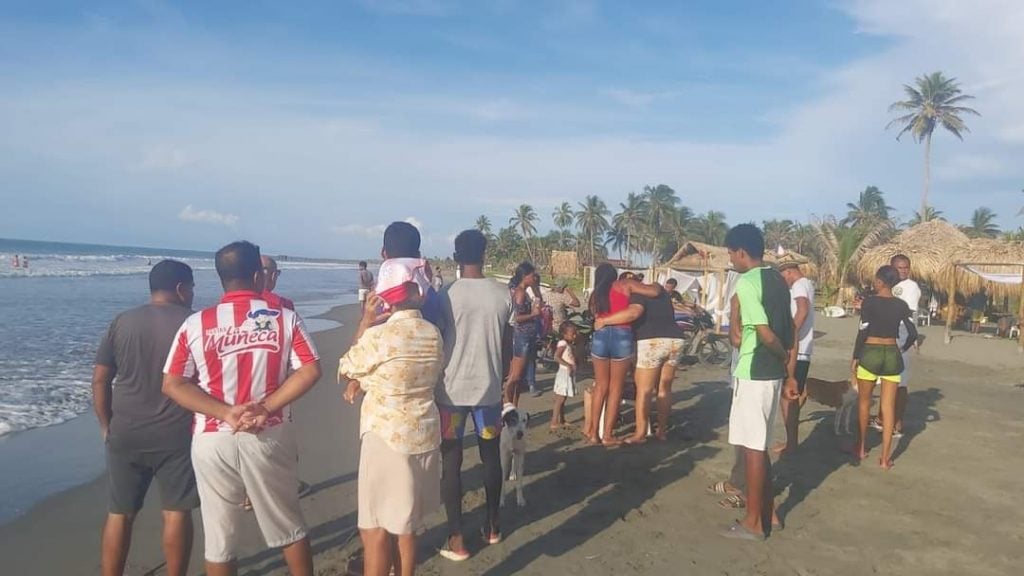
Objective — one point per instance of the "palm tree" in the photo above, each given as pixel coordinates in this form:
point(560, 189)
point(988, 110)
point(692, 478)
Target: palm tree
point(778, 233)
point(840, 247)
point(592, 221)
point(1015, 236)
point(483, 224)
point(630, 221)
point(524, 219)
point(617, 238)
point(710, 228)
point(563, 216)
point(870, 206)
point(982, 225)
point(660, 203)
point(935, 100)
point(930, 214)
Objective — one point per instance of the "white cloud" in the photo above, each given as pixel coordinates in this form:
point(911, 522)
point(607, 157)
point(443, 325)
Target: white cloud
point(190, 214)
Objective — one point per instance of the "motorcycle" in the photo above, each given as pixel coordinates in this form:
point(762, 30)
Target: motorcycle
point(701, 340)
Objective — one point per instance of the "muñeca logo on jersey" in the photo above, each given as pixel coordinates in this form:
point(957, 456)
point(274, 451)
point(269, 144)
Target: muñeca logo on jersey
point(258, 332)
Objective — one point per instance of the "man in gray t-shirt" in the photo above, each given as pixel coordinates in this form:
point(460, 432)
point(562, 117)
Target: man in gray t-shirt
point(147, 435)
point(475, 315)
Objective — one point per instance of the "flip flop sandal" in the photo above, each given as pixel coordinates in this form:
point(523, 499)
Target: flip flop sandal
point(491, 538)
point(740, 532)
point(452, 555)
point(733, 502)
point(719, 488)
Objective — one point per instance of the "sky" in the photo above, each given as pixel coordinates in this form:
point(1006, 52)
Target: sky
point(308, 126)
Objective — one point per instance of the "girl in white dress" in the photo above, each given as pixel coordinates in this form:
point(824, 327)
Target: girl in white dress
point(565, 379)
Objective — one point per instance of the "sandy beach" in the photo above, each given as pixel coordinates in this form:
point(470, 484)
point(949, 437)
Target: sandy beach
point(946, 508)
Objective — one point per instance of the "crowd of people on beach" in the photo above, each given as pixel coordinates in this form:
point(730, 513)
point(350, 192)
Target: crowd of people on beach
point(200, 401)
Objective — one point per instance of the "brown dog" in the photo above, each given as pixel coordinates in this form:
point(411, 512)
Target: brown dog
point(839, 394)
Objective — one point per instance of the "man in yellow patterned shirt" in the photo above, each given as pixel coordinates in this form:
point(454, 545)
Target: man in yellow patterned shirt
point(397, 364)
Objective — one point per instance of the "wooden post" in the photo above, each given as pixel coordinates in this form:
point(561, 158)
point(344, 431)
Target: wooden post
point(951, 307)
point(1020, 313)
point(721, 300)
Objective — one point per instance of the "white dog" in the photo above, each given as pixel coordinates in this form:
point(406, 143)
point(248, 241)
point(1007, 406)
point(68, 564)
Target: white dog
point(513, 452)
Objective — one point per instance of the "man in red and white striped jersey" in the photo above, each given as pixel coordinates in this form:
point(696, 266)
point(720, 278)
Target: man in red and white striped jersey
point(241, 352)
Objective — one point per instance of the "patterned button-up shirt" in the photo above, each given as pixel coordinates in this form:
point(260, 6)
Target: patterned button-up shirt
point(398, 364)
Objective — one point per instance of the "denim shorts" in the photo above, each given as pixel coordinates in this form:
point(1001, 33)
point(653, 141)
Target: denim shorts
point(523, 344)
point(613, 343)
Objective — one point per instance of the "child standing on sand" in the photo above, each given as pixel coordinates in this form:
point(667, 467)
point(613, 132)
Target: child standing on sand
point(565, 379)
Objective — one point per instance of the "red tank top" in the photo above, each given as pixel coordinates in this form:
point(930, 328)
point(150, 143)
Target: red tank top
point(617, 302)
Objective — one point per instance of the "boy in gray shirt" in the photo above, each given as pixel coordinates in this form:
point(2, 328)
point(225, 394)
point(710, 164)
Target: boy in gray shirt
point(475, 316)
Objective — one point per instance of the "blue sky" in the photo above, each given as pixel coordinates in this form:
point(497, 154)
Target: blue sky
point(307, 126)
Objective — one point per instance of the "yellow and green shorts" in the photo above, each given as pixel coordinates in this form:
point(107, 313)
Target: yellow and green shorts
point(880, 361)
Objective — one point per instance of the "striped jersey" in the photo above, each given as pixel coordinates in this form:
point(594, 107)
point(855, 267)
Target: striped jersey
point(240, 351)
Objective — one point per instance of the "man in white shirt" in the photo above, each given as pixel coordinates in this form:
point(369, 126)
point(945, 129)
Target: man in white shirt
point(801, 306)
point(908, 291)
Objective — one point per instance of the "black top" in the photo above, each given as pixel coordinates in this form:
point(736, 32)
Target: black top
point(881, 318)
point(658, 320)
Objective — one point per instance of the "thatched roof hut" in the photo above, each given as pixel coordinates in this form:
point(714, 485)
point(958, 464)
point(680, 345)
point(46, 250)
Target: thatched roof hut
point(931, 247)
point(985, 255)
point(701, 257)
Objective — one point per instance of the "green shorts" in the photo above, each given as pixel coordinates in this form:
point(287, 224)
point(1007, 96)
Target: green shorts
point(883, 361)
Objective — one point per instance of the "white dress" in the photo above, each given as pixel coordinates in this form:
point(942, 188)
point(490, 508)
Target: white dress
point(565, 384)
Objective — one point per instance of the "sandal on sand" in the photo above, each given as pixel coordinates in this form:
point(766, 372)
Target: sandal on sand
point(740, 532)
point(719, 488)
point(733, 502)
point(492, 538)
point(447, 552)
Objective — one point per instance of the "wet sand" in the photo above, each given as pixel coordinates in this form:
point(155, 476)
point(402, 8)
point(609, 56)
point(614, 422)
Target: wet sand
point(946, 508)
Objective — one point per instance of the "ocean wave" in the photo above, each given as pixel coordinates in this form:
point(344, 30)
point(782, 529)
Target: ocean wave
point(42, 403)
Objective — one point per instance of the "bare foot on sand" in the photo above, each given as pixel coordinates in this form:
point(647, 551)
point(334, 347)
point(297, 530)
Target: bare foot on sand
point(853, 451)
point(611, 442)
point(782, 447)
point(661, 436)
point(635, 440)
point(885, 465)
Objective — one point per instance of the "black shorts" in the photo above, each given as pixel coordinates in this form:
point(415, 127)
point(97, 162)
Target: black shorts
point(130, 472)
point(802, 367)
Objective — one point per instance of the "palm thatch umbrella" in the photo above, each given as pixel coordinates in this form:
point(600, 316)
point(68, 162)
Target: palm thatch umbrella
point(931, 246)
point(998, 259)
point(701, 257)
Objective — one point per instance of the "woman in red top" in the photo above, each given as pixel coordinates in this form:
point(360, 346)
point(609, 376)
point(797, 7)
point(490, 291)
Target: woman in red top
point(611, 349)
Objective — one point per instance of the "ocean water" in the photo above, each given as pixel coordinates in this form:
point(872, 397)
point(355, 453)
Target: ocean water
point(53, 315)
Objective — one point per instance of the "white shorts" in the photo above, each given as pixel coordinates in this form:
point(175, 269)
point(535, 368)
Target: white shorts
point(263, 467)
point(752, 416)
point(362, 294)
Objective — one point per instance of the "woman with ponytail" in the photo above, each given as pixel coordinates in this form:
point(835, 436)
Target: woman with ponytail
point(611, 348)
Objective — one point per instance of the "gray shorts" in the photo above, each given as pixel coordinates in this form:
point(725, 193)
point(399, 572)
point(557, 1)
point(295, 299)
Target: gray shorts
point(263, 467)
point(130, 471)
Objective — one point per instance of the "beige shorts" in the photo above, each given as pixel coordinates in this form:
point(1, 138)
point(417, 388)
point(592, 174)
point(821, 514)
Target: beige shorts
point(656, 352)
point(363, 292)
point(396, 491)
point(752, 416)
point(263, 467)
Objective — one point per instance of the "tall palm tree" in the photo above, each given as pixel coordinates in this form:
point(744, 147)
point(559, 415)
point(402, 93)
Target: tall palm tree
point(592, 221)
point(710, 228)
point(870, 206)
point(630, 221)
point(483, 224)
point(982, 224)
point(617, 239)
point(934, 101)
point(660, 203)
point(563, 216)
point(524, 219)
point(930, 214)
